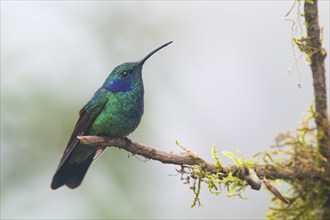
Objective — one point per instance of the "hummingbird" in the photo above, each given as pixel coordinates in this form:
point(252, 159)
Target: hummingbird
point(115, 110)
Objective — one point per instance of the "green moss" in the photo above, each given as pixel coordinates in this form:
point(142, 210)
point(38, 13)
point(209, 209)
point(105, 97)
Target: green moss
point(216, 157)
point(309, 1)
point(307, 195)
point(215, 181)
point(196, 188)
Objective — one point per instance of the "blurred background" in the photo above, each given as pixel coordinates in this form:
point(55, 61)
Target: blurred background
point(223, 81)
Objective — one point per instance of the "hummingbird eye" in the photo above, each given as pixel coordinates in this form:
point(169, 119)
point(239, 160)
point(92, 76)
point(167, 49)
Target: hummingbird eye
point(124, 74)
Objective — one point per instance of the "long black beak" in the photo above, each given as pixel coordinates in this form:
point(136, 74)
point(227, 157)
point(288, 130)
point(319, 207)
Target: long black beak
point(141, 62)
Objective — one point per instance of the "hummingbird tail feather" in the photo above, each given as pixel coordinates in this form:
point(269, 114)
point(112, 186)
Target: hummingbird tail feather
point(71, 174)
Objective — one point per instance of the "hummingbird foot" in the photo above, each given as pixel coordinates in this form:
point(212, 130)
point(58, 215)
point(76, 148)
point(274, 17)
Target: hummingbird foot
point(128, 142)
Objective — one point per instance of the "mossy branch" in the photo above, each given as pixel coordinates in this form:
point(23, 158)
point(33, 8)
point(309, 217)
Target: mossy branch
point(191, 159)
point(248, 173)
point(316, 54)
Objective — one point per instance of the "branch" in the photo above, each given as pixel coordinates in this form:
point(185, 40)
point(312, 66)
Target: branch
point(189, 158)
point(317, 56)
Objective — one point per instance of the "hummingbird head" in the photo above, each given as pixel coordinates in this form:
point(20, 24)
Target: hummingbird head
point(128, 75)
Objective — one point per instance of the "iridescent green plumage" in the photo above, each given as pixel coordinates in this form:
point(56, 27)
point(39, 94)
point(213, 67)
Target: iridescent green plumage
point(114, 111)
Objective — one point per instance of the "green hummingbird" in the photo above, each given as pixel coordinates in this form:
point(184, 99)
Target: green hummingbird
point(115, 110)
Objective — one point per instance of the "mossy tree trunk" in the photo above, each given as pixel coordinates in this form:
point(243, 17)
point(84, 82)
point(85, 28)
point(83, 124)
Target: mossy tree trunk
point(317, 56)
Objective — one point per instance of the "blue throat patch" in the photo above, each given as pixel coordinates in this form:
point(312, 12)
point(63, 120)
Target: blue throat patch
point(119, 85)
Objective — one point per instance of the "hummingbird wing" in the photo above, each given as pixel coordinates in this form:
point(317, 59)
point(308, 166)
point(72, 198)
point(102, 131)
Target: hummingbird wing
point(87, 116)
